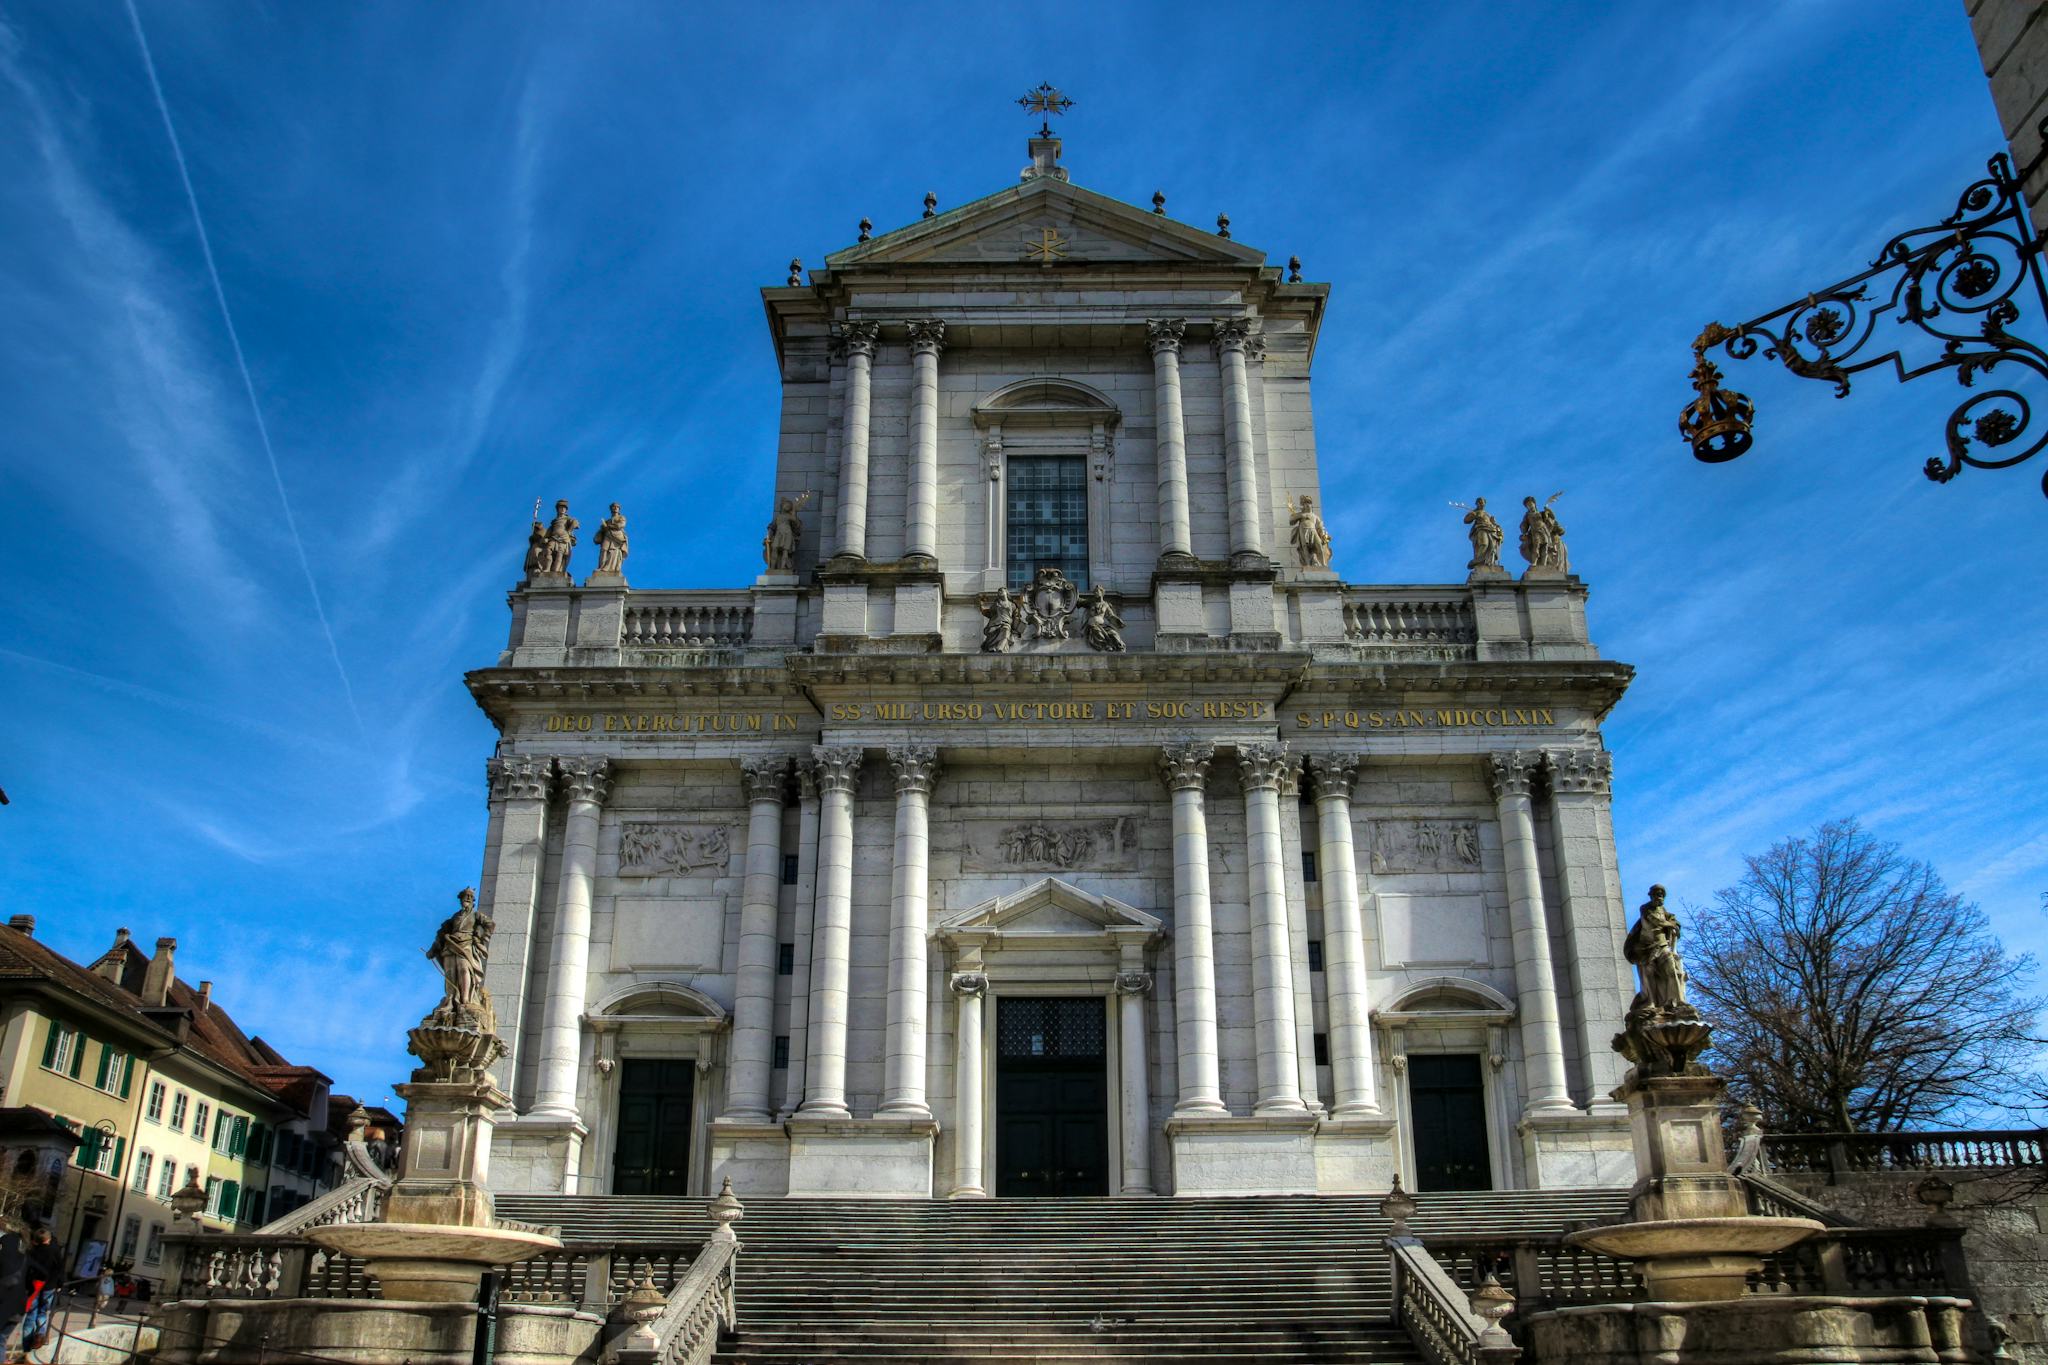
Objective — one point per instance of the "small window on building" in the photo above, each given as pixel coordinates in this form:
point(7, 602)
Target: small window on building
point(167, 1182)
point(64, 1051)
point(200, 1116)
point(789, 869)
point(782, 1052)
point(153, 1247)
point(178, 1109)
point(1315, 954)
point(785, 959)
point(1308, 865)
point(1048, 518)
point(143, 1161)
point(155, 1112)
point(131, 1236)
point(116, 1072)
point(1322, 1049)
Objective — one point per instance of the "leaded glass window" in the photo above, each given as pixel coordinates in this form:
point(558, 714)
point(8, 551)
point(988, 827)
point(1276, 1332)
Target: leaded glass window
point(1032, 1026)
point(1048, 517)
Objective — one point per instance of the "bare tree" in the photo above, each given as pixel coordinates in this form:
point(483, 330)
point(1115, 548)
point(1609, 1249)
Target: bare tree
point(1850, 990)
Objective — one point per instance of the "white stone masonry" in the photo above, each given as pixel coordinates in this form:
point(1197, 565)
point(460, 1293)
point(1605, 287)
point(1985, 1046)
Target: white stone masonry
point(838, 771)
point(859, 339)
point(753, 1009)
point(1344, 965)
point(1185, 770)
point(1535, 984)
point(916, 767)
point(1265, 769)
point(585, 782)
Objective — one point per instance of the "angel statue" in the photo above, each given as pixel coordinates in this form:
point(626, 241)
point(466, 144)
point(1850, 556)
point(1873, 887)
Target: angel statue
point(1542, 536)
point(999, 622)
point(611, 543)
point(1105, 628)
point(1487, 537)
point(461, 948)
point(785, 533)
point(1311, 538)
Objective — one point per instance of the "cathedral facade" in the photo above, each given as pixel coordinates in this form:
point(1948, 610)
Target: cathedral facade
point(1049, 818)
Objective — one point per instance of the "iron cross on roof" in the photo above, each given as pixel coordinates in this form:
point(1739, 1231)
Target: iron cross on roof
point(1045, 101)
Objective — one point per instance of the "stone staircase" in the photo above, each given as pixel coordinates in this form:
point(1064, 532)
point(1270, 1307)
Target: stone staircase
point(1271, 1279)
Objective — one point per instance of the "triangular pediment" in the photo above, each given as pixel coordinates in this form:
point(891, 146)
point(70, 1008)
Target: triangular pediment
point(1046, 222)
point(1051, 908)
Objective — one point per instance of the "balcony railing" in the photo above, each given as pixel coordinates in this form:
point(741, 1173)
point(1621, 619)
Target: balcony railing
point(1410, 620)
point(688, 620)
point(1839, 1154)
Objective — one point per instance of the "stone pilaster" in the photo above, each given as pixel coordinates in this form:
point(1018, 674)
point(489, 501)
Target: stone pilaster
point(921, 540)
point(1233, 339)
point(1535, 981)
point(1595, 919)
point(1185, 770)
point(859, 339)
point(1265, 769)
point(1344, 965)
point(838, 773)
point(585, 782)
point(1132, 987)
point(753, 1010)
point(1170, 443)
point(519, 787)
point(969, 1084)
point(806, 913)
point(916, 768)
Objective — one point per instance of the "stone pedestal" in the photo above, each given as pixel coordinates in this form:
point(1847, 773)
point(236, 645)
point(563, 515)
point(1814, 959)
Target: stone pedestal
point(1574, 1149)
point(1758, 1330)
point(535, 1155)
point(1356, 1155)
point(1238, 1155)
point(860, 1158)
point(753, 1156)
point(775, 603)
point(446, 1159)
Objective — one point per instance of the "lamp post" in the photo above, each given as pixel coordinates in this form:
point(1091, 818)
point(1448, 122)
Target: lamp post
point(1963, 282)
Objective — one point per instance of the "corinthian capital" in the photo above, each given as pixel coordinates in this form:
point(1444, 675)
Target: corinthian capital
point(1185, 766)
point(765, 776)
point(1267, 765)
point(1579, 772)
point(1163, 334)
point(1510, 773)
point(807, 779)
point(835, 769)
point(1334, 774)
point(859, 338)
point(927, 336)
point(585, 779)
point(520, 777)
point(1232, 334)
point(916, 767)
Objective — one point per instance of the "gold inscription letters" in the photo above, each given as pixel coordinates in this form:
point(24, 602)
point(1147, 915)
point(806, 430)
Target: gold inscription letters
point(1430, 718)
point(1065, 712)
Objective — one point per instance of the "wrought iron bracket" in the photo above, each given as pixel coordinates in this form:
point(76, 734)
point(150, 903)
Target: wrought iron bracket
point(1961, 281)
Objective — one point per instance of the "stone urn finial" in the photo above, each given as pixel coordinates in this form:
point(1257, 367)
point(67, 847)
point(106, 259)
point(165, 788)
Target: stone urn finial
point(1397, 1208)
point(1492, 1301)
point(725, 1210)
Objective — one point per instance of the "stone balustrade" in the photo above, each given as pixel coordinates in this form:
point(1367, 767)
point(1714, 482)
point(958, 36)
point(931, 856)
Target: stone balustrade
point(687, 620)
point(1838, 1154)
point(357, 1201)
point(699, 1307)
point(1408, 619)
point(1437, 1312)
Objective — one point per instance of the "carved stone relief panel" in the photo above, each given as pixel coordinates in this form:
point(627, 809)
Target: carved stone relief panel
point(1425, 846)
point(1053, 845)
point(666, 850)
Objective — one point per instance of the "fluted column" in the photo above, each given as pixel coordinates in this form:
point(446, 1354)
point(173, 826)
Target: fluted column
point(584, 783)
point(753, 1006)
point(1535, 983)
point(969, 1096)
point(1351, 1064)
point(1185, 769)
point(1171, 442)
point(1233, 338)
point(916, 767)
point(1131, 989)
point(511, 895)
point(838, 772)
point(927, 339)
point(1581, 783)
point(859, 340)
point(1264, 768)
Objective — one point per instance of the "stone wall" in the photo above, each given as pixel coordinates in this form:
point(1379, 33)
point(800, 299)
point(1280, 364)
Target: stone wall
point(2012, 38)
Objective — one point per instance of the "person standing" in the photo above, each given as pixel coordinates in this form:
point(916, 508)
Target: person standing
point(13, 1286)
point(45, 1277)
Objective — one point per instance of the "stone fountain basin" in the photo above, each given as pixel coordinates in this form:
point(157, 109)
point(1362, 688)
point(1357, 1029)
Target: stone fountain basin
point(431, 1262)
point(1681, 1237)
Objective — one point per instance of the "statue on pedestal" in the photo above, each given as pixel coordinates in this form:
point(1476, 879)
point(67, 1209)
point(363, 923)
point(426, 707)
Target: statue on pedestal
point(611, 543)
point(1310, 537)
point(1105, 628)
point(999, 622)
point(785, 534)
point(536, 549)
point(461, 949)
point(1663, 1033)
point(1486, 535)
point(1542, 536)
point(561, 539)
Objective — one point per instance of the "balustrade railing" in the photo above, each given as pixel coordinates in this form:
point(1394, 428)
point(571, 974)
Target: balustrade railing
point(358, 1201)
point(688, 620)
point(696, 1311)
point(1838, 1154)
point(1412, 619)
point(1541, 1272)
point(1437, 1312)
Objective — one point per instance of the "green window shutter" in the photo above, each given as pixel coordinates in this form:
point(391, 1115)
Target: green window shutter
point(238, 1136)
point(88, 1154)
point(106, 1063)
point(77, 1054)
point(120, 1154)
point(127, 1075)
point(230, 1199)
point(220, 1129)
point(50, 1044)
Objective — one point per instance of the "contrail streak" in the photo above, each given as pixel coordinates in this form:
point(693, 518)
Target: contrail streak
point(248, 385)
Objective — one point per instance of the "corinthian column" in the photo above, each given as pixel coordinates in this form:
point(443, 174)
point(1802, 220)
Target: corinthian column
point(1581, 785)
point(1351, 1066)
point(859, 339)
point(1171, 441)
point(511, 893)
point(585, 782)
point(1233, 337)
point(1131, 989)
point(1535, 985)
point(1265, 767)
point(1185, 769)
point(917, 768)
point(968, 1094)
point(927, 339)
point(838, 771)
point(753, 1007)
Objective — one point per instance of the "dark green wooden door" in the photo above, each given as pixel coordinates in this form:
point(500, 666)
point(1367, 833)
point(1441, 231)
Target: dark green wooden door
point(1052, 1097)
point(1447, 1096)
point(653, 1152)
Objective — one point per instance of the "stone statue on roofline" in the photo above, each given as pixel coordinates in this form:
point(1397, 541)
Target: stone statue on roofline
point(1543, 537)
point(1311, 539)
point(1104, 626)
point(1487, 538)
point(611, 545)
point(536, 550)
point(561, 539)
point(785, 534)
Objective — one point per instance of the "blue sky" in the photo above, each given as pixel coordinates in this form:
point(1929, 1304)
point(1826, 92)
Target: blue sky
point(477, 254)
